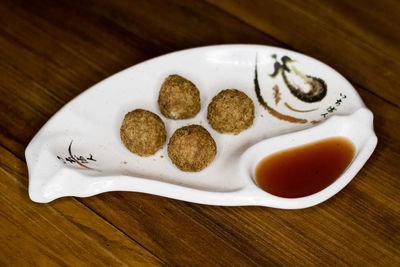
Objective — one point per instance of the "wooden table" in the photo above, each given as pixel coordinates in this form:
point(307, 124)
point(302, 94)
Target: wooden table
point(50, 51)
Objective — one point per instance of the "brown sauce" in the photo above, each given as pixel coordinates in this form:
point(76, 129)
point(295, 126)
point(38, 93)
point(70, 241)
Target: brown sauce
point(304, 170)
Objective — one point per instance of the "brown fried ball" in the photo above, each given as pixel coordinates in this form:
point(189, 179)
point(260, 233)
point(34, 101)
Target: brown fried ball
point(179, 98)
point(230, 111)
point(191, 148)
point(143, 132)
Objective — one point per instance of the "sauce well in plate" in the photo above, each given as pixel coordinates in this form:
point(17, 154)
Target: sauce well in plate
point(306, 169)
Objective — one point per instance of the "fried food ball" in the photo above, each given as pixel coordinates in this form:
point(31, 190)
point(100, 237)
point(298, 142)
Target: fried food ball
point(143, 132)
point(230, 111)
point(179, 98)
point(191, 148)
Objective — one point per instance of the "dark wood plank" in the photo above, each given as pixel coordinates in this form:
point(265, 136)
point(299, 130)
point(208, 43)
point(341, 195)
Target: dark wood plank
point(63, 233)
point(357, 38)
point(75, 37)
point(374, 201)
point(53, 50)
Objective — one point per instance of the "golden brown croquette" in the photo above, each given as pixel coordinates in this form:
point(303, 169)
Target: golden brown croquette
point(191, 148)
point(179, 98)
point(143, 132)
point(230, 111)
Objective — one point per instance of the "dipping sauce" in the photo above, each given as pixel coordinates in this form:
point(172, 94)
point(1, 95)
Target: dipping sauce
point(306, 169)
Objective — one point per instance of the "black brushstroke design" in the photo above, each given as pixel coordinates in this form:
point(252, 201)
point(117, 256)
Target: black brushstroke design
point(77, 161)
point(317, 93)
point(318, 86)
point(257, 88)
point(272, 111)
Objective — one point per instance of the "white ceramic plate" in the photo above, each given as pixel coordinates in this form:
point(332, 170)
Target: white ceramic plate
point(78, 152)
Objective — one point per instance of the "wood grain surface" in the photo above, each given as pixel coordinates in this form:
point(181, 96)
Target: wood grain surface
point(50, 51)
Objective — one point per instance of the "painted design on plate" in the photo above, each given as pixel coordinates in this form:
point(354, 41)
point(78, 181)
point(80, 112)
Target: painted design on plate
point(277, 94)
point(79, 160)
point(298, 110)
point(334, 107)
point(264, 104)
point(306, 88)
